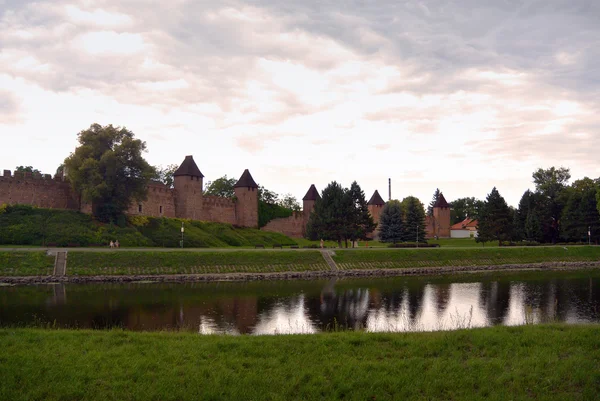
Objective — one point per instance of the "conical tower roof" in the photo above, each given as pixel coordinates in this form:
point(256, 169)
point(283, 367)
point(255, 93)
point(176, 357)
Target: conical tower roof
point(441, 202)
point(376, 199)
point(188, 167)
point(246, 181)
point(312, 194)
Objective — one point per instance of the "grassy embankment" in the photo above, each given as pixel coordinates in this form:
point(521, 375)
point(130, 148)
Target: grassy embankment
point(125, 262)
point(26, 225)
point(554, 362)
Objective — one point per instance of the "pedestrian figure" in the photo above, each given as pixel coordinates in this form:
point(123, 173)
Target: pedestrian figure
point(112, 244)
point(117, 243)
point(321, 243)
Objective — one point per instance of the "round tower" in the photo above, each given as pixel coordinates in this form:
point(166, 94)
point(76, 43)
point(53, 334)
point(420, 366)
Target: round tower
point(188, 190)
point(246, 207)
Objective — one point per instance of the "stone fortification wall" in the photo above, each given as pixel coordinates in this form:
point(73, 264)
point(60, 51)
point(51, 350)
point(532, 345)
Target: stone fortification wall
point(36, 190)
point(292, 226)
point(160, 202)
point(221, 210)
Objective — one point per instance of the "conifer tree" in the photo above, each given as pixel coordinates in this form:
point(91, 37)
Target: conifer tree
point(390, 222)
point(436, 195)
point(414, 221)
point(495, 221)
point(360, 221)
point(329, 220)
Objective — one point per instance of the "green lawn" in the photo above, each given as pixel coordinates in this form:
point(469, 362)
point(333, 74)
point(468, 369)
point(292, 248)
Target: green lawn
point(178, 262)
point(553, 362)
point(26, 264)
point(431, 257)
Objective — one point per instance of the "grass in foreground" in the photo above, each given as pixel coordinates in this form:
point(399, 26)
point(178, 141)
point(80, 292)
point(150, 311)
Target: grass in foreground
point(555, 362)
point(432, 257)
point(26, 264)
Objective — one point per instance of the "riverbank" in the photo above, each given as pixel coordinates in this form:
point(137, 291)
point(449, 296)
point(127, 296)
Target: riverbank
point(226, 265)
point(554, 362)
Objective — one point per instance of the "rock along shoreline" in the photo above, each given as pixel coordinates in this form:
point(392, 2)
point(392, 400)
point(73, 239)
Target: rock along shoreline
point(308, 275)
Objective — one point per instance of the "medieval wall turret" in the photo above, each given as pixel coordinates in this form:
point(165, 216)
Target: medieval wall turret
point(308, 204)
point(441, 218)
point(375, 206)
point(246, 207)
point(188, 190)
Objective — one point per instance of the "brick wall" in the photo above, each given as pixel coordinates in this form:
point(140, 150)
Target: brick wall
point(221, 210)
point(246, 207)
point(36, 190)
point(292, 226)
point(159, 203)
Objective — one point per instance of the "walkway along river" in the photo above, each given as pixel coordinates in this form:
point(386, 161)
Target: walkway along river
point(271, 307)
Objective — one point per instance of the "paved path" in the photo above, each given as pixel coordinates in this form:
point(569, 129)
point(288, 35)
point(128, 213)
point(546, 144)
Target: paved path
point(60, 263)
point(327, 256)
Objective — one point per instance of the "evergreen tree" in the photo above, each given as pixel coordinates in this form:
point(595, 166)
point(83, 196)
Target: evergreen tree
point(329, 220)
point(495, 221)
point(551, 184)
point(414, 221)
point(390, 222)
point(580, 213)
point(360, 222)
point(436, 195)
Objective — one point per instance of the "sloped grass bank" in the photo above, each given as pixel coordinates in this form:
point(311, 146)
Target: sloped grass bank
point(27, 225)
point(553, 362)
point(409, 258)
point(26, 264)
point(181, 262)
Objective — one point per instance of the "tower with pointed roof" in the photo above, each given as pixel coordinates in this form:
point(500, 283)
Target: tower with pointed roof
point(441, 217)
point(188, 189)
point(375, 206)
point(308, 203)
point(246, 207)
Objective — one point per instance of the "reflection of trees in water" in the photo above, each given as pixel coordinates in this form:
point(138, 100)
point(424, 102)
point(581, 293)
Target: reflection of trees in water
point(442, 297)
point(346, 308)
point(415, 295)
point(494, 299)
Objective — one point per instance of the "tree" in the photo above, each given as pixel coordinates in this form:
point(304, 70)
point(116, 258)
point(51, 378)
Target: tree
point(391, 226)
point(166, 175)
point(414, 221)
point(27, 169)
point(360, 222)
point(580, 213)
point(495, 220)
point(551, 184)
point(329, 218)
point(464, 207)
point(59, 171)
point(108, 170)
point(223, 187)
point(436, 195)
point(289, 202)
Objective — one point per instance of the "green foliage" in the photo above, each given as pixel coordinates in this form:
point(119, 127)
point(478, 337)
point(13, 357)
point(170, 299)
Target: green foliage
point(270, 211)
point(166, 175)
point(290, 202)
point(223, 187)
point(329, 220)
point(463, 208)
point(436, 195)
point(391, 226)
point(26, 264)
point(108, 170)
point(495, 220)
point(27, 225)
point(551, 185)
point(580, 213)
point(27, 169)
point(414, 220)
point(359, 220)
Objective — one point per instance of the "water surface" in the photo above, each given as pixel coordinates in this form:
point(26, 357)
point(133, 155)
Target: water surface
point(279, 307)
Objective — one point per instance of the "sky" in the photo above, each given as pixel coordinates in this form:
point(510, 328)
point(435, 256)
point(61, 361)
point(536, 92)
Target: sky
point(456, 95)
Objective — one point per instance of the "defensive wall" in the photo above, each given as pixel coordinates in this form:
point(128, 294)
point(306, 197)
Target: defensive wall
point(187, 200)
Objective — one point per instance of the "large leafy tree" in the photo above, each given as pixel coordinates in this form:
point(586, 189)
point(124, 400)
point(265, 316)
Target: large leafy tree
point(360, 222)
point(414, 220)
point(551, 184)
point(436, 195)
point(391, 226)
point(223, 187)
point(166, 175)
point(288, 201)
point(495, 219)
point(463, 208)
point(27, 169)
point(580, 213)
point(108, 170)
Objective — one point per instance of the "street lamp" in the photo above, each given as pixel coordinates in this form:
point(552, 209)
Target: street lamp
point(417, 235)
point(589, 235)
point(182, 229)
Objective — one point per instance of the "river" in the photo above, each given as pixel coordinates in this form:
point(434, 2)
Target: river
point(284, 307)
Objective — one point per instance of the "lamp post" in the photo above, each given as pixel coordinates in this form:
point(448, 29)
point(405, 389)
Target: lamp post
point(182, 229)
point(589, 235)
point(417, 235)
